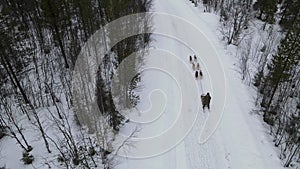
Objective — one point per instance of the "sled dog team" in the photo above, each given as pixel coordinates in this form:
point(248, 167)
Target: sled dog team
point(196, 67)
point(205, 99)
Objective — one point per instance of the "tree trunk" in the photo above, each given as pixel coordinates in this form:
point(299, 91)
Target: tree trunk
point(9, 69)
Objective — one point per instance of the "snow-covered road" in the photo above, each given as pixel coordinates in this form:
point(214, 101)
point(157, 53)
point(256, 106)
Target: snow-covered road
point(240, 141)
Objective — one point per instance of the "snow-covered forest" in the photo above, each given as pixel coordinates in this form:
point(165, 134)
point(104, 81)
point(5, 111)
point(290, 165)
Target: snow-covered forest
point(40, 41)
point(45, 117)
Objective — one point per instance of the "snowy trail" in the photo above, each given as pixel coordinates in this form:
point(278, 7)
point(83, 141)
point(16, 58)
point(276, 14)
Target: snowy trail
point(210, 154)
point(240, 141)
point(178, 157)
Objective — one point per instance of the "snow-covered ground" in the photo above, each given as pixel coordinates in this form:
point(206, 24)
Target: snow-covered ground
point(240, 141)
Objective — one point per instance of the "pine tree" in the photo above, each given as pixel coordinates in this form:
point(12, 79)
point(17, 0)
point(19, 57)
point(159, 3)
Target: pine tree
point(282, 64)
point(267, 10)
point(290, 16)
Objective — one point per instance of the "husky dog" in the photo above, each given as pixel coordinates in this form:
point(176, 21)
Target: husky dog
point(201, 74)
point(198, 66)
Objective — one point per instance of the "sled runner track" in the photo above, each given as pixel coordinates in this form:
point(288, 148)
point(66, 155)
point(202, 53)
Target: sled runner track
point(201, 155)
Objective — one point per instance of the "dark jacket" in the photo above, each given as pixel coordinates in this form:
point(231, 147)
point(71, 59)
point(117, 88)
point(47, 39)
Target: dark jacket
point(206, 99)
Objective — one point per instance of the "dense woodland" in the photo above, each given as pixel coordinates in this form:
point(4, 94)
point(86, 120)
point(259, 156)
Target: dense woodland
point(39, 44)
point(41, 39)
point(269, 61)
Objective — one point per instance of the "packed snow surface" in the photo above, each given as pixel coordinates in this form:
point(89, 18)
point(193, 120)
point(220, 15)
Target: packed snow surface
point(240, 141)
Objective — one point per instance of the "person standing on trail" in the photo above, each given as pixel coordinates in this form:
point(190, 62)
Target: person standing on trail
point(206, 100)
